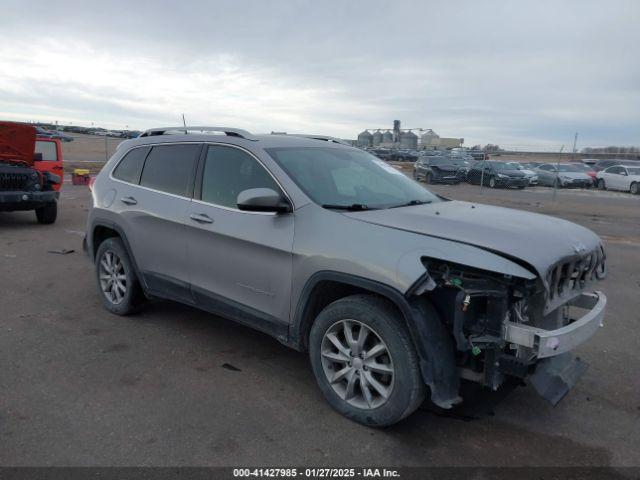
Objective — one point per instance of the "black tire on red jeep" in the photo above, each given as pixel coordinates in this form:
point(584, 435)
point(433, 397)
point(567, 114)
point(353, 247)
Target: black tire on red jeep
point(116, 278)
point(47, 214)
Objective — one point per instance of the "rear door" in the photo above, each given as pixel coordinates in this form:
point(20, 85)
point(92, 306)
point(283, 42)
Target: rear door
point(157, 209)
point(546, 174)
point(613, 178)
point(240, 262)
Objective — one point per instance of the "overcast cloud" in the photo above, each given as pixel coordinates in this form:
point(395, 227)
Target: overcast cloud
point(516, 73)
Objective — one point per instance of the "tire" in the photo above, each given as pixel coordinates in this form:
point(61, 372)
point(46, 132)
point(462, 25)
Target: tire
point(557, 184)
point(47, 214)
point(403, 389)
point(112, 252)
point(492, 182)
point(429, 179)
point(634, 188)
point(520, 187)
point(601, 184)
point(415, 175)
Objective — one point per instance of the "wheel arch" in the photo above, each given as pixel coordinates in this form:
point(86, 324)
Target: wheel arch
point(325, 287)
point(430, 339)
point(101, 231)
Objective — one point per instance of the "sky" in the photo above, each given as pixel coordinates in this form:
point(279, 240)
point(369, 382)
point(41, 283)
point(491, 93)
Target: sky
point(521, 74)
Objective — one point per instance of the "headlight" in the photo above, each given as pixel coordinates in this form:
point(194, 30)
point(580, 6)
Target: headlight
point(565, 178)
point(500, 175)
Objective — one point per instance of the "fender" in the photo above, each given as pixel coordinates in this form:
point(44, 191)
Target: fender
point(125, 241)
point(432, 341)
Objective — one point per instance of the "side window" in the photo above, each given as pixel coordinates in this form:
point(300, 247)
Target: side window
point(227, 172)
point(546, 168)
point(615, 170)
point(169, 168)
point(129, 168)
point(48, 150)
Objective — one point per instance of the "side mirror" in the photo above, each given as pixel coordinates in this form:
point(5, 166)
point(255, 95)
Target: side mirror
point(262, 200)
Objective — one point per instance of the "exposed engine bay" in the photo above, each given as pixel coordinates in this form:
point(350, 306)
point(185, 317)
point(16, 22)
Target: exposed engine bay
point(502, 326)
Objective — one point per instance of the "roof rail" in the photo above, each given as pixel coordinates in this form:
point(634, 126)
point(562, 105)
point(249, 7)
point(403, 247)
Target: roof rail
point(325, 138)
point(231, 132)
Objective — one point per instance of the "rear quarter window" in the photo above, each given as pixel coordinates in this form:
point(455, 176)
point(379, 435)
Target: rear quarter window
point(169, 168)
point(129, 168)
point(48, 150)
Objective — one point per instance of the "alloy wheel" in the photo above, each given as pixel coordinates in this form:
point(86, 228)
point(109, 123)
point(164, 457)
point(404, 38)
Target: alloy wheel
point(113, 279)
point(357, 364)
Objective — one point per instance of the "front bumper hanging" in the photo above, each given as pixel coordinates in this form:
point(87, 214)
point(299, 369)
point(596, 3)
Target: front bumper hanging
point(550, 343)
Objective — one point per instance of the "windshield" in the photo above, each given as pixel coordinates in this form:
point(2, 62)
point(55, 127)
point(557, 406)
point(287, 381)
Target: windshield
point(440, 161)
point(583, 168)
point(348, 177)
point(503, 166)
point(459, 161)
point(569, 168)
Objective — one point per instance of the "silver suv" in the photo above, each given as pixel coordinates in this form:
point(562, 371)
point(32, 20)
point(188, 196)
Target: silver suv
point(396, 293)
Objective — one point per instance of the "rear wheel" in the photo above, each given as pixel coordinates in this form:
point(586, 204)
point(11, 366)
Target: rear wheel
point(601, 184)
point(47, 214)
point(634, 188)
point(117, 282)
point(365, 362)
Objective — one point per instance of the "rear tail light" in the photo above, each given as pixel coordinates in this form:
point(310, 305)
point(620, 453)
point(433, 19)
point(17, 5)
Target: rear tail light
point(92, 180)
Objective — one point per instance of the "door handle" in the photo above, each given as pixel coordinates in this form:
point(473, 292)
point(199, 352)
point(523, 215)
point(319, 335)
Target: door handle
point(200, 218)
point(129, 200)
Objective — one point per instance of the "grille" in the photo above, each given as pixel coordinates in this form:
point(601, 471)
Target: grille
point(14, 181)
point(567, 278)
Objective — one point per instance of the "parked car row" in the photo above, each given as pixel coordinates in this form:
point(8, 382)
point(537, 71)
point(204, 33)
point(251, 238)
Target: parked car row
point(453, 170)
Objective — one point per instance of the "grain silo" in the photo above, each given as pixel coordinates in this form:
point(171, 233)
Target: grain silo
point(365, 139)
point(408, 139)
point(377, 138)
point(387, 137)
point(429, 139)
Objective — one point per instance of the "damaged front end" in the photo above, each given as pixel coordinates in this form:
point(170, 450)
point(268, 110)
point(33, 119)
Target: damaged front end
point(500, 326)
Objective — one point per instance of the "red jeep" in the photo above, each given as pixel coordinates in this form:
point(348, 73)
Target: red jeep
point(30, 176)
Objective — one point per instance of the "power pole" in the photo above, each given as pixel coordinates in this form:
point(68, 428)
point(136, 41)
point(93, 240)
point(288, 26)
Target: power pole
point(573, 153)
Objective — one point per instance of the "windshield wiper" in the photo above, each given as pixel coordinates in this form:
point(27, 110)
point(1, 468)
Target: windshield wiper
point(411, 203)
point(354, 207)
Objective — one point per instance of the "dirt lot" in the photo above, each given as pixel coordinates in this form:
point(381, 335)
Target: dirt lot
point(175, 386)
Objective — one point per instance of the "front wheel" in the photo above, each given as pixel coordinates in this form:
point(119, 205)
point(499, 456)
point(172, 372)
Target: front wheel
point(492, 182)
point(429, 179)
point(601, 184)
point(365, 362)
point(47, 214)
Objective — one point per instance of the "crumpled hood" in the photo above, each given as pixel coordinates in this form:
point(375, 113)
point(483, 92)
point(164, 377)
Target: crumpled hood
point(575, 175)
point(539, 240)
point(447, 168)
point(17, 143)
point(511, 173)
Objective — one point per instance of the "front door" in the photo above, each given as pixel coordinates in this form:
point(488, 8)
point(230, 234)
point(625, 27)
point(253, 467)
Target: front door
point(240, 262)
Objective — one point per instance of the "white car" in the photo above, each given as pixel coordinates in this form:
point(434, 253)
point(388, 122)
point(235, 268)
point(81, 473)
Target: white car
point(620, 177)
